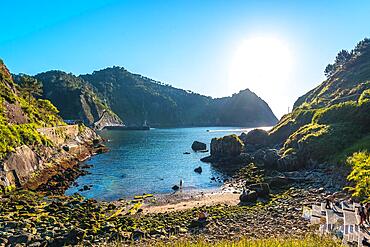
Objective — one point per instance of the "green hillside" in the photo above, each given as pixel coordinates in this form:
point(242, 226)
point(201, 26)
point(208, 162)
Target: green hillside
point(335, 114)
point(331, 123)
point(137, 99)
point(75, 98)
point(21, 114)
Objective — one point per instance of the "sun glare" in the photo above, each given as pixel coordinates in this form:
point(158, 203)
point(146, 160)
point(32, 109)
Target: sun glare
point(260, 64)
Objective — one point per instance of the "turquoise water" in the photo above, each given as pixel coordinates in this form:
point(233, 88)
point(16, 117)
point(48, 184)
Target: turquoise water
point(150, 162)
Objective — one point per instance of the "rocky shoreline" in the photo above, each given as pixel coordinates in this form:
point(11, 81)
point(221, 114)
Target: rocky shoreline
point(54, 167)
point(40, 219)
point(34, 219)
point(48, 218)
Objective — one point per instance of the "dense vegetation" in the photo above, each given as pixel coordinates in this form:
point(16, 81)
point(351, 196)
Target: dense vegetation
point(137, 99)
point(21, 114)
point(360, 175)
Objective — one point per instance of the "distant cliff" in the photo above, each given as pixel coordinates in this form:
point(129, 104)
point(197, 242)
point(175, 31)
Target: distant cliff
point(75, 99)
point(137, 99)
point(105, 97)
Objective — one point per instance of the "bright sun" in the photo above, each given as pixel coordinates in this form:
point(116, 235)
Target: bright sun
point(260, 64)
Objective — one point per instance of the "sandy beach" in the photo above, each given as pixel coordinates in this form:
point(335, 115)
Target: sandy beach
point(192, 199)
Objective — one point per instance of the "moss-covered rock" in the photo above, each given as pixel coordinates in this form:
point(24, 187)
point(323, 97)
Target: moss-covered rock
point(258, 137)
point(227, 146)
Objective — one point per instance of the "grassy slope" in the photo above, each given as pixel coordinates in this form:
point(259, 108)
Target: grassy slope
point(332, 121)
point(20, 116)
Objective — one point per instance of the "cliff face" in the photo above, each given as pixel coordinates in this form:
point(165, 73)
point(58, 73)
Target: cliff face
point(32, 137)
point(137, 99)
point(75, 98)
point(30, 167)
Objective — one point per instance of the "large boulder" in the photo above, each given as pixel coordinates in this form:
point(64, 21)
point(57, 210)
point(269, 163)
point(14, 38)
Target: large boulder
point(257, 137)
point(198, 146)
point(278, 181)
point(19, 166)
point(227, 146)
point(261, 189)
point(248, 196)
point(268, 157)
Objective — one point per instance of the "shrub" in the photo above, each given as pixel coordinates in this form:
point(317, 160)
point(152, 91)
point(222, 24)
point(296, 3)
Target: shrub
point(321, 142)
point(365, 97)
point(12, 136)
point(360, 175)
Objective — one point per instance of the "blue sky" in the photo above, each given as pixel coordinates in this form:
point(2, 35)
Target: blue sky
point(186, 43)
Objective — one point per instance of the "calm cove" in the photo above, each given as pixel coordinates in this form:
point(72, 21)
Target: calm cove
point(151, 162)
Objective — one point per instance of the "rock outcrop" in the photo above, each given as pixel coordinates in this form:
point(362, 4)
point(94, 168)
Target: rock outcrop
point(198, 146)
point(30, 168)
point(257, 137)
point(198, 170)
point(226, 149)
point(227, 146)
point(17, 168)
point(252, 147)
point(107, 118)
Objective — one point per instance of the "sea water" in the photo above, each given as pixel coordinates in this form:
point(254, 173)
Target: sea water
point(151, 162)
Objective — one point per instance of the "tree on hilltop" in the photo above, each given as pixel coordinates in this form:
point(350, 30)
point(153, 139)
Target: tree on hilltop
point(31, 86)
point(342, 57)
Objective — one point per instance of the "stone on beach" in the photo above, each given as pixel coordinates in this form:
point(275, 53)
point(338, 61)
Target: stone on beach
point(248, 196)
point(261, 189)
